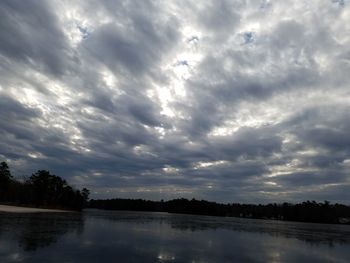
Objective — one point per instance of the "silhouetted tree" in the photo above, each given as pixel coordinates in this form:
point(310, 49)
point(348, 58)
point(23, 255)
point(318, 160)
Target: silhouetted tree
point(45, 187)
point(5, 180)
point(41, 189)
point(5, 171)
point(51, 190)
point(85, 193)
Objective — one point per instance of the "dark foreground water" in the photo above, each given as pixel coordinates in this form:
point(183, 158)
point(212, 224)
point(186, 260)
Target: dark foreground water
point(103, 236)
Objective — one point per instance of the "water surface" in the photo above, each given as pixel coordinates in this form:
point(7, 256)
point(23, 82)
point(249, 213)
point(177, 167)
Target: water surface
point(119, 236)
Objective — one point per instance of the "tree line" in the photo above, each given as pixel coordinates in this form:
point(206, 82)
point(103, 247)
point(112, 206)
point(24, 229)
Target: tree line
point(41, 189)
point(309, 211)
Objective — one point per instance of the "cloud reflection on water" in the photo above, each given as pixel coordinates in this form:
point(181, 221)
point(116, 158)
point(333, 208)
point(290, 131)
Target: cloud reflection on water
point(103, 236)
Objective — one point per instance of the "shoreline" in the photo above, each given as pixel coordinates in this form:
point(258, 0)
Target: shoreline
point(20, 209)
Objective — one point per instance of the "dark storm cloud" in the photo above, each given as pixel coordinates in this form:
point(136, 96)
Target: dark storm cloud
point(248, 142)
point(325, 128)
point(31, 33)
point(309, 178)
point(223, 100)
point(333, 139)
point(12, 109)
point(139, 44)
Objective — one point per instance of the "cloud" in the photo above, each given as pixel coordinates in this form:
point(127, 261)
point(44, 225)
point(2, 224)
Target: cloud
point(31, 34)
point(223, 100)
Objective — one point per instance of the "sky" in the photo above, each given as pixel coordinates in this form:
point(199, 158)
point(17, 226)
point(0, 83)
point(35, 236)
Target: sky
point(229, 101)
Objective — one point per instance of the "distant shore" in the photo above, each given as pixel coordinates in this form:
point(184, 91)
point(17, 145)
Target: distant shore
point(309, 211)
point(19, 209)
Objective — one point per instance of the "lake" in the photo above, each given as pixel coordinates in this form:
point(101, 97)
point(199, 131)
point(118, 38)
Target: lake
point(120, 236)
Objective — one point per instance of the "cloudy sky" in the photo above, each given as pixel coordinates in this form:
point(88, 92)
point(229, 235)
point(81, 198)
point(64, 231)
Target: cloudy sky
point(232, 101)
